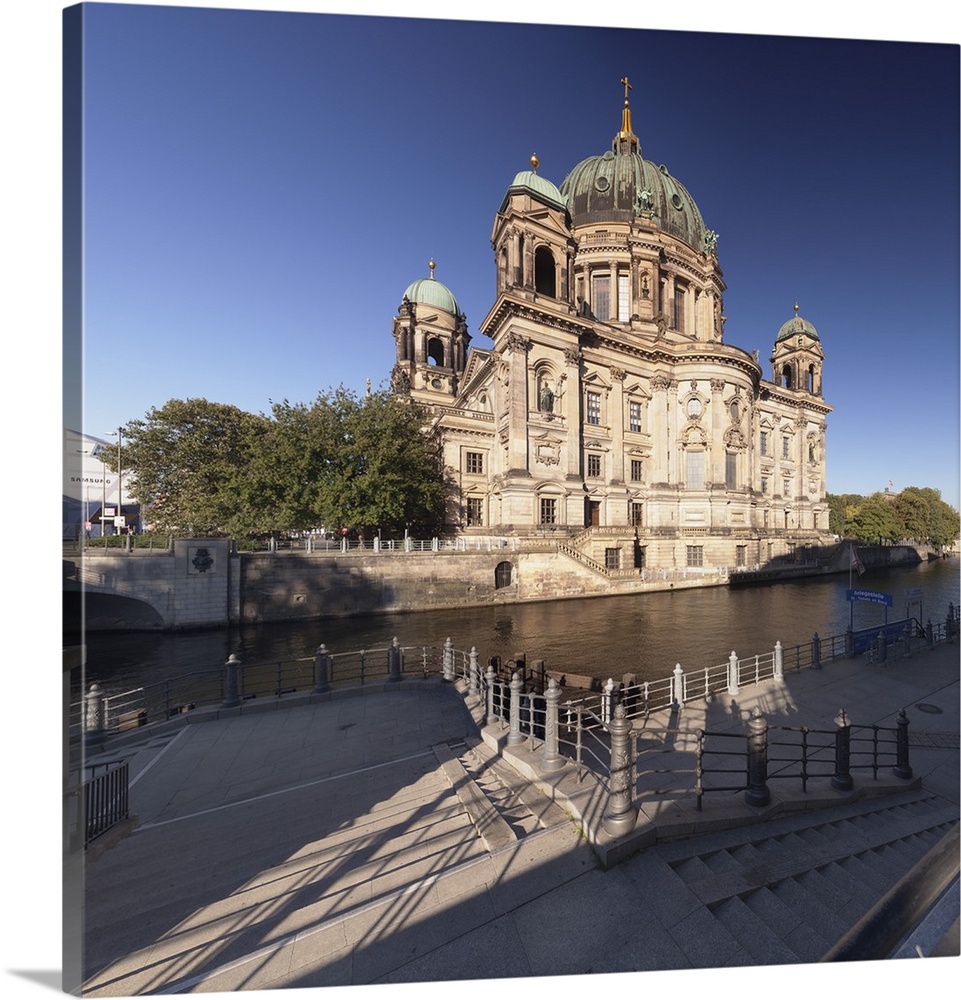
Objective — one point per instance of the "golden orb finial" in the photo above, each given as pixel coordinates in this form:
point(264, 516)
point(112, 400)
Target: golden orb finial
point(535, 162)
point(431, 264)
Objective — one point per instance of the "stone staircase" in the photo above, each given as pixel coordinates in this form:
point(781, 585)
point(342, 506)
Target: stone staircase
point(786, 891)
point(503, 805)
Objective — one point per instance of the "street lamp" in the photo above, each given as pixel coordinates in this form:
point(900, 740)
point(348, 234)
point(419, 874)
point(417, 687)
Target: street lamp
point(118, 433)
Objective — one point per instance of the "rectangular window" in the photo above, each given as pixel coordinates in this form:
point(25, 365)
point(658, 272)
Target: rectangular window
point(764, 484)
point(602, 296)
point(695, 555)
point(548, 510)
point(634, 415)
point(475, 511)
point(742, 555)
point(695, 470)
point(787, 488)
point(637, 511)
point(594, 465)
point(763, 442)
point(637, 470)
point(730, 470)
point(785, 447)
point(679, 308)
point(623, 297)
point(612, 558)
point(474, 462)
point(593, 407)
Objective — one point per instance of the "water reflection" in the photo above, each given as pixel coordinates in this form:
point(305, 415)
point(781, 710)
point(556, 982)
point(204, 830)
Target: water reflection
point(646, 634)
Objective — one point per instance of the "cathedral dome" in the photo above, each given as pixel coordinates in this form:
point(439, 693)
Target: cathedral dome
point(431, 292)
point(794, 326)
point(620, 186)
point(531, 182)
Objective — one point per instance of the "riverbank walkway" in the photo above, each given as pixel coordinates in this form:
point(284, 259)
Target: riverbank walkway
point(376, 839)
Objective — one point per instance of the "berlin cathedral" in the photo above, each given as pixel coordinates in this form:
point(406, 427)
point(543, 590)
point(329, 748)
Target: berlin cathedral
point(610, 414)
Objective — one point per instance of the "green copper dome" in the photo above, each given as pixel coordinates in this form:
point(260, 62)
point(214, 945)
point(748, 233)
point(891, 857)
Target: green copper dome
point(620, 186)
point(538, 186)
point(795, 326)
point(431, 292)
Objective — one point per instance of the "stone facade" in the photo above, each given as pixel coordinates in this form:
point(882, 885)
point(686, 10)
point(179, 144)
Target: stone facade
point(610, 412)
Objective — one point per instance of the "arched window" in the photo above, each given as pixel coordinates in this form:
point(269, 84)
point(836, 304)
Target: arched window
point(545, 272)
point(502, 575)
point(435, 352)
point(810, 379)
point(789, 376)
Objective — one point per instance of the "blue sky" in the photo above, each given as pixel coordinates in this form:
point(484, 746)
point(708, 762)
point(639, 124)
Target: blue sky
point(261, 187)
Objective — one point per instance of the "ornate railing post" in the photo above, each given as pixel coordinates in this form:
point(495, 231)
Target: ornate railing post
point(393, 661)
point(232, 694)
point(778, 661)
point(515, 735)
point(491, 681)
point(903, 767)
point(321, 680)
point(842, 779)
point(732, 672)
point(816, 652)
point(849, 643)
point(474, 684)
point(448, 660)
point(552, 759)
point(757, 794)
point(930, 634)
point(677, 686)
point(93, 715)
point(620, 816)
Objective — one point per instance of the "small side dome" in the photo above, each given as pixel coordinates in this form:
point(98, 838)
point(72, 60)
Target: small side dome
point(539, 187)
point(795, 326)
point(431, 292)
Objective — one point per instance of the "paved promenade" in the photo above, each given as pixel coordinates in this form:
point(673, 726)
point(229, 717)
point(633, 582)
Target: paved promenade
point(343, 843)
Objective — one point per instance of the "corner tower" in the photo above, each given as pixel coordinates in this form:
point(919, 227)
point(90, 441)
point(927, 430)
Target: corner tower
point(431, 341)
point(797, 360)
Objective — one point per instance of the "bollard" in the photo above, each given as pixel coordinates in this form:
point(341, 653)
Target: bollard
point(393, 661)
point(757, 794)
point(620, 815)
point(732, 674)
point(778, 661)
point(903, 767)
point(552, 759)
point(93, 716)
point(491, 681)
point(816, 652)
point(515, 735)
point(607, 701)
point(882, 647)
point(930, 635)
point(842, 779)
point(321, 681)
point(448, 660)
point(232, 695)
point(474, 685)
point(677, 686)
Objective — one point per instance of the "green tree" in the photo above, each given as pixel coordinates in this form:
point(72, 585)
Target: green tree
point(188, 459)
point(875, 521)
point(384, 471)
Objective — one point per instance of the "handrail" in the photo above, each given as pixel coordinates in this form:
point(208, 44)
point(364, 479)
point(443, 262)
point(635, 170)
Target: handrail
point(901, 910)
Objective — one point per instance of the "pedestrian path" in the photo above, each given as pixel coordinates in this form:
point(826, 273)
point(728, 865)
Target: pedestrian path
point(377, 839)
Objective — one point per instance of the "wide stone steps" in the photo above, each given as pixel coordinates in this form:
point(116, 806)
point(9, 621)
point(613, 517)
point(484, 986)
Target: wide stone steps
point(786, 891)
point(503, 806)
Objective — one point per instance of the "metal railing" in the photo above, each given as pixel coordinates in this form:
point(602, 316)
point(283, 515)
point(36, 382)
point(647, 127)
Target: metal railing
point(106, 799)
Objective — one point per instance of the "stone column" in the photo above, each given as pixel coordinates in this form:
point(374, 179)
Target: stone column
point(572, 411)
point(517, 347)
point(616, 404)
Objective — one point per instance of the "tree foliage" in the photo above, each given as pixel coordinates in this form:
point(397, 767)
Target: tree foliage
point(341, 462)
point(915, 514)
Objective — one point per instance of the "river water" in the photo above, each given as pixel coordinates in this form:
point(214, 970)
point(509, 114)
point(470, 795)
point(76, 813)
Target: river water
point(645, 634)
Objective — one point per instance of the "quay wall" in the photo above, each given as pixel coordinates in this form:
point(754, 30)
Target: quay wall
point(200, 583)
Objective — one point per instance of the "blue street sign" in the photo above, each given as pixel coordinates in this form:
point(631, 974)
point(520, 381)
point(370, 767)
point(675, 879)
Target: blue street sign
point(871, 596)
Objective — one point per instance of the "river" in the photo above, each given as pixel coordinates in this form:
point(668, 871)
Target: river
point(646, 634)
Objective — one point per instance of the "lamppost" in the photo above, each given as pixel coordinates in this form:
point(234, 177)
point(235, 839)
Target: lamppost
point(118, 433)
